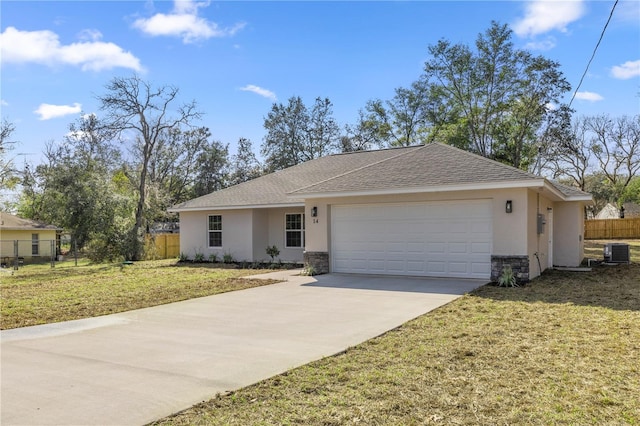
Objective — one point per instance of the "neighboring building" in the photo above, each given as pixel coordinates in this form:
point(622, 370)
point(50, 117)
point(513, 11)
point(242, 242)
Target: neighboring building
point(428, 210)
point(35, 240)
point(610, 211)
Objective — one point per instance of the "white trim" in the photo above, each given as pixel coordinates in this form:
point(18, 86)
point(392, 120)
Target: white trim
point(209, 231)
point(537, 183)
point(235, 207)
point(302, 230)
point(540, 184)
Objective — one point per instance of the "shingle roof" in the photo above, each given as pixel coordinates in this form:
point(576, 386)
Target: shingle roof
point(431, 165)
point(273, 189)
point(434, 164)
point(11, 222)
point(568, 191)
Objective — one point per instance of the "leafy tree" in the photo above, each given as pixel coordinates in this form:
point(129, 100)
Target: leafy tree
point(9, 176)
point(73, 188)
point(244, 165)
point(497, 94)
point(135, 110)
point(296, 134)
point(401, 121)
point(631, 193)
point(603, 192)
point(362, 136)
point(212, 167)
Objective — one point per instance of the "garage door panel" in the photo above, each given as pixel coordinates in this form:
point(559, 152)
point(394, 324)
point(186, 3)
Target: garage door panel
point(480, 268)
point(458, 248)
point(458, 267)
point(435, 248)
point(481, 248)
point(436, 267)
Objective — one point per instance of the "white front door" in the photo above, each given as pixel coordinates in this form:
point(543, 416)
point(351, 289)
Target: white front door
point(439, 239)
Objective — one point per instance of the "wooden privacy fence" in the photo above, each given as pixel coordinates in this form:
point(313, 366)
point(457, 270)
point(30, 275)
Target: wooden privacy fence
point(600, 229)
point(162, 246)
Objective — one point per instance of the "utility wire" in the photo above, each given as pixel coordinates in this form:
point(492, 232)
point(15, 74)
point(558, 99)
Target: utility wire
point(594, 53)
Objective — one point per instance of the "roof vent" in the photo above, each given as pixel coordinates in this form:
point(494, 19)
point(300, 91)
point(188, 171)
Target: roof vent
point(616, 253)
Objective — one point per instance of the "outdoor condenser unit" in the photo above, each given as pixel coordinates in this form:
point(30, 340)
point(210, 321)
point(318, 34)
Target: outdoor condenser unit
point(616, 253)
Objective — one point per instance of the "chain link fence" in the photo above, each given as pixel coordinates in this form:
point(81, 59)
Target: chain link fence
point(15, 253)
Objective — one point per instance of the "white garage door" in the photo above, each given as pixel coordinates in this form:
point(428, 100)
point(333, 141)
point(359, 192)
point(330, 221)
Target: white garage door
point(438, 239)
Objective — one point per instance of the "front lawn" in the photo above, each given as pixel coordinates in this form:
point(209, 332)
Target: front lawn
point(564, 349)
point(39, 294)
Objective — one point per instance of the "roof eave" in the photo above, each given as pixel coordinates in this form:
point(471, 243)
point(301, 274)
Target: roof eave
point(178, 209)
point(28, 228)
point(529, 183)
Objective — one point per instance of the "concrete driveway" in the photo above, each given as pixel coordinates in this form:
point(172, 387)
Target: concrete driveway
point(139, 366)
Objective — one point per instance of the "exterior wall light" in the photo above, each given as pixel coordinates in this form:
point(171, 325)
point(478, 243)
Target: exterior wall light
point(314, 211)
point(509, 206)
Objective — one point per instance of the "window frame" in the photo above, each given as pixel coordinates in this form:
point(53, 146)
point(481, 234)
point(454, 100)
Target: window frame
point(210, 231)
point(35, 244)
point(301, 231)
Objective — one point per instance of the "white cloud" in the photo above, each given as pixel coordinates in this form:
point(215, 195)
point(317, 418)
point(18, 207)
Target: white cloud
point(3, 102)
point(48, 111)
point(90, 35)
point(547, 44)
point(43, 47)
point(260, 91)
point(184, 22)
point(542, 16)
point(627, 70)
point(589, 96)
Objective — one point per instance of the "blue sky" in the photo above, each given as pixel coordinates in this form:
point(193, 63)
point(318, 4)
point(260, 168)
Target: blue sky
point(235, 58)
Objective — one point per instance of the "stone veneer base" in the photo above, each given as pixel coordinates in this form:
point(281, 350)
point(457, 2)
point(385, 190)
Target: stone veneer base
point(519, 265)
point(319, 260)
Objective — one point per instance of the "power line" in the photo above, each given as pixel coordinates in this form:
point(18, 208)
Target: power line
point(594, 52)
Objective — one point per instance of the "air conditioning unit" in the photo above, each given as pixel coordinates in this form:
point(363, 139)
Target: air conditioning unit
point(616, 253)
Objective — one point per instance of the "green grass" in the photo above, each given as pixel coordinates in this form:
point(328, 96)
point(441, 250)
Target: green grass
point(38, 294)
point(562, 350)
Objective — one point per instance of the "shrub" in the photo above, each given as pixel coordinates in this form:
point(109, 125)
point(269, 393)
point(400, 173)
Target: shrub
point(507, 278)
point(199, 257)
point(213, 258)
point(183, 257)
point(227, 258)
point(273, 251)
point(309, 271)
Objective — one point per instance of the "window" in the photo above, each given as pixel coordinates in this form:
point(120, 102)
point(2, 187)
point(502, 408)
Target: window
point(35, 238)
point(294, 230)
point(215, 230)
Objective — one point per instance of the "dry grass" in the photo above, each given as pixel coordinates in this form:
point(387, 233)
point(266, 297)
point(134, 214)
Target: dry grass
point(564, 349)
point(593, 248)
point(37, 294)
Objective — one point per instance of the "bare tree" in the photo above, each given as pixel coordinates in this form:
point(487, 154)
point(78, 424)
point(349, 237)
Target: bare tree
point(8, 173)
point(135, 110)
point(616, 146)
point(569, 153)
